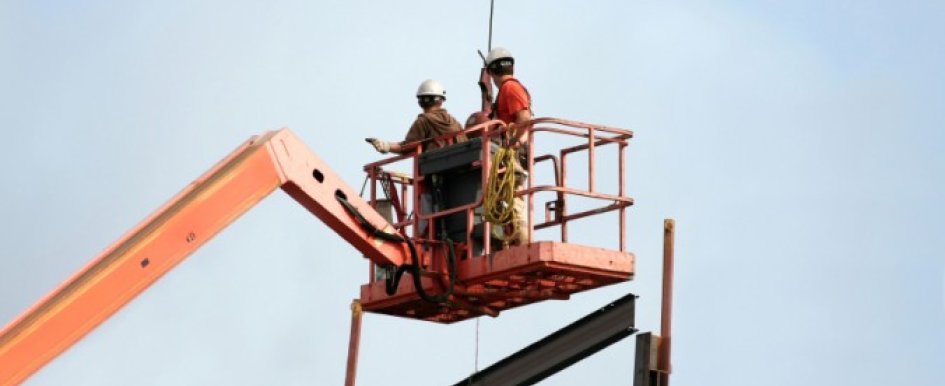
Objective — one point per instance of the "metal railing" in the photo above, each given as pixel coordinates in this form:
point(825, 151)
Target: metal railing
point(406, 187)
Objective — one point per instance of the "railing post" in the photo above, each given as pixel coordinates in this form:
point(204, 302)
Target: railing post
point(564, 197)
point(486, 147)
point(372, 175)
point(590, 159)
point(531, 182)
point(620, 192)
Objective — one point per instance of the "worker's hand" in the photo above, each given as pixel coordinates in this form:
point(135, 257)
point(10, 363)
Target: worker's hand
point(381, 146)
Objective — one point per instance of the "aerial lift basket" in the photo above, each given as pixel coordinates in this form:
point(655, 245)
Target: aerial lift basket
point(489, 277)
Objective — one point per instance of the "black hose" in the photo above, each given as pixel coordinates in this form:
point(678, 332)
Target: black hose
point(392, 282)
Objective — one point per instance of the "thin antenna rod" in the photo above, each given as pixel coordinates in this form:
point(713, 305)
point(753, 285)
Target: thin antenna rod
point(491, 12)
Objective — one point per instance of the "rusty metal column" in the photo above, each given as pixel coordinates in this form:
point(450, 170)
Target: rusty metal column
point(354, 343)
point(666, 325)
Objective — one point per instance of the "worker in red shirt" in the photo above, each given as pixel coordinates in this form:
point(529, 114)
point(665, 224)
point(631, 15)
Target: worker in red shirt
point(513, 105)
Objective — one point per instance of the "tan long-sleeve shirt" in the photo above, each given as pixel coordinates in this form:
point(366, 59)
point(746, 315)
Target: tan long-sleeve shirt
point(431, 125)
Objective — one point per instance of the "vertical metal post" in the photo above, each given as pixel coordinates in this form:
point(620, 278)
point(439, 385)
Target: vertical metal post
point(486, 145)
point(470, 238)
point(644, 369)
point(530, 163)
point(564, 197)
point(404, 199)
point(491, 12)
point(354, 343)
point(372, 175)
point(590, 159)
point(666, 325)
point(622, 212)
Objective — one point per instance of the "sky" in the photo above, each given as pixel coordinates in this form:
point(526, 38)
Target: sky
point(799, 145)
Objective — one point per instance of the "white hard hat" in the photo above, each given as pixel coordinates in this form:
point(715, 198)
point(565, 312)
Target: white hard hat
point(498, 53)
point(431, 87)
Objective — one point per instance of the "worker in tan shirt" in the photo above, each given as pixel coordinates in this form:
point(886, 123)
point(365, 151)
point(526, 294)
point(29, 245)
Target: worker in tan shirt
point(434, 122)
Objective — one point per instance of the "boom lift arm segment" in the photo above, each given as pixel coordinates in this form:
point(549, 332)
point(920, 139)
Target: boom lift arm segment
point(250, 173)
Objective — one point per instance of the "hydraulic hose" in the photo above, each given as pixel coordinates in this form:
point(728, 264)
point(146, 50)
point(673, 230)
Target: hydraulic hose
point(392, 282)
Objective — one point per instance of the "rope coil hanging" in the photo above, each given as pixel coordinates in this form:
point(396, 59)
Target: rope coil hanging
point(499, 194)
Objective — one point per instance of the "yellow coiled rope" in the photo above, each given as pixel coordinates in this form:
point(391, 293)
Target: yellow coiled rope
point(499, 197)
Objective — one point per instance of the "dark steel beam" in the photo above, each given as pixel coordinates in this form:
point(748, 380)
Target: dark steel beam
point(561, 349)
point(645, 371)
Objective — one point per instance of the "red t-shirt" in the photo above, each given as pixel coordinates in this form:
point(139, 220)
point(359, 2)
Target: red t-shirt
point(512, 98)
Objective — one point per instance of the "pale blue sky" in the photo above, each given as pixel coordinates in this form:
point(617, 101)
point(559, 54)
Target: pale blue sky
point(800, 146)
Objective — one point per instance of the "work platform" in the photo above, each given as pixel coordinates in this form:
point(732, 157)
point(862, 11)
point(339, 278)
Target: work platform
point(489, 277)
point(509, 278)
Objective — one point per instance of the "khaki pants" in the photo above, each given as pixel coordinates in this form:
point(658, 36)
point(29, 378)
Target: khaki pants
point(521, 212)
point(519, 207)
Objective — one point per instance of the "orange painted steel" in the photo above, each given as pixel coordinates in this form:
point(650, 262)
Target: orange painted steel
point(485, 285)
point(354, 343)
point(125, 269)
point(511, 278)
point(497, 280)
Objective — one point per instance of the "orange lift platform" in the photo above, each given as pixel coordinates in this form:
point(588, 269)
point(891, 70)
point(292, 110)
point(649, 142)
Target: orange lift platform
point(449, 280)
point(489, 278)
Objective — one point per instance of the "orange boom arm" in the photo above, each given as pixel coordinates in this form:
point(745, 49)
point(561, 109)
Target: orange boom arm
point(177, 229)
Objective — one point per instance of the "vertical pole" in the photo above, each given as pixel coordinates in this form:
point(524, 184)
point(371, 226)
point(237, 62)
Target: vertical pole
point(470, 224)
point(372, 175)
point(354, 343)
point(404, 199)
point(530, 164)
point(486, 144)
point(491, 12)
point(666, 325)
point(564, 197)
point(590, 159)
point(622, 212)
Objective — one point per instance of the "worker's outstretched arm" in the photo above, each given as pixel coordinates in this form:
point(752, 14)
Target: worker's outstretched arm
point(174, 231)
point(385, 147)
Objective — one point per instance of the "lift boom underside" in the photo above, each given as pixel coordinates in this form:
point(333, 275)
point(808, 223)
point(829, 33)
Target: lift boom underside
point(177, 229)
